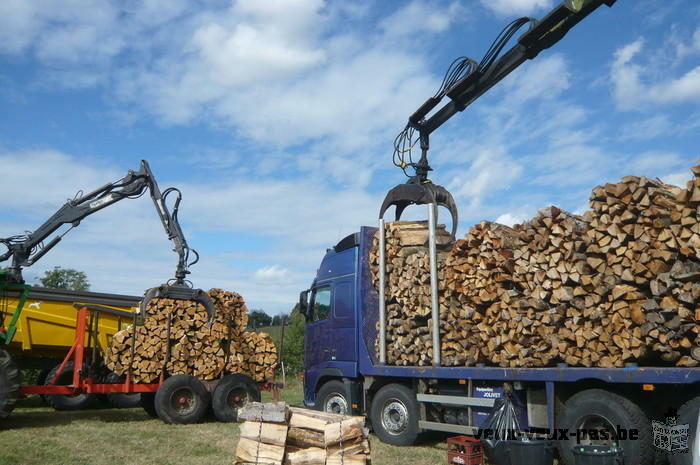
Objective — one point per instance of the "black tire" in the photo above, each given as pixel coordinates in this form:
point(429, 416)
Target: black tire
point(120, 399)
point(231, 393)
point(182, 399)
point(333, 398)
point(9, 384)
point(148, 403)
point(394, 415)
point(600, 409)
point(688, 414)
point(67, 402)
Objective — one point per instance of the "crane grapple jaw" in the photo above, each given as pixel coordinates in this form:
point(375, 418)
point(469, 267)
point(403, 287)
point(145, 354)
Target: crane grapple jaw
point(414, 193)
point(178, 292)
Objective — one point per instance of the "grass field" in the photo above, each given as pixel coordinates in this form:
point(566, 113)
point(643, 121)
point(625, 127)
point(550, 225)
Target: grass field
point(38, 435)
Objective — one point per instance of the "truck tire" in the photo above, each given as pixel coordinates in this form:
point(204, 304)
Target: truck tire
point(231, 393)
point(148, 403)
point(394, 415)
point(67, 402)
point(333, 398)
point(9, 384)
point(603, 410)
point(688, 414)
point(120, 399)
point(182, 399)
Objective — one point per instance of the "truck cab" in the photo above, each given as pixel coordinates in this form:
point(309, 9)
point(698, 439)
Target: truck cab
point(331, 342)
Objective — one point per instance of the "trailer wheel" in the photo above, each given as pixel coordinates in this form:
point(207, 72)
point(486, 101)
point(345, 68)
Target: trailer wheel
point(182, 399)
point(121, 399)
point(231, 393)
point(394, 415)
point(332, 398)
point(148, 402)
point(603, 412)
point(67, 402)
point(9, 384)
point(689, 414)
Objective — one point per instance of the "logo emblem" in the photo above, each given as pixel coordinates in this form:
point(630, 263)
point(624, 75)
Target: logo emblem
point(669, 436)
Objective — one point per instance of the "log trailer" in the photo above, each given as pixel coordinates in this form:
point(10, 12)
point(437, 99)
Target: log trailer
point(177, 399)
point(344, 373)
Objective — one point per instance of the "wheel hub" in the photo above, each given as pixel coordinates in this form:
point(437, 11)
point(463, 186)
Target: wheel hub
point(597, 424)
point(183, 401)
point(336, 403)
point(237, 398)
point(394, 416)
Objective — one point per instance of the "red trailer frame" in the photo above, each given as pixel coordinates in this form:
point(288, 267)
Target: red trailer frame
point(85, 384)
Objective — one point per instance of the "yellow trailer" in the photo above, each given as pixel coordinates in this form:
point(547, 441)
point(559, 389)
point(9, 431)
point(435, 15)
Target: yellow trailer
point(46, 326)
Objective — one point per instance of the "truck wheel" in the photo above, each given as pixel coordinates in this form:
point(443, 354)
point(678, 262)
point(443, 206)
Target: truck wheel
point(67, 402)
point(120, 399)
point(9, 384)
point(603, 412)
point(182, 399)
point(232, 393)
point(394, 415)
point(332, 398)
point(689, 414)
point(148, 402)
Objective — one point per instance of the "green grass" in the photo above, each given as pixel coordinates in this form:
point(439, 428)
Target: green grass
point(38, 435)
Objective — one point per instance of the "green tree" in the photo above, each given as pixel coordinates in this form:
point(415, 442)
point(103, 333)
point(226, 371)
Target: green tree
point(258, 318)
point(65, 278)
point(293, 353)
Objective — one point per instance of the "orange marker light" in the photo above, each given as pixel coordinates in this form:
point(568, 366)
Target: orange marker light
point(647, 387)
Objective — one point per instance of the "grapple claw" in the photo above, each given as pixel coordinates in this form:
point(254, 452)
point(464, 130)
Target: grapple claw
point(412, 193)
point(179, 292)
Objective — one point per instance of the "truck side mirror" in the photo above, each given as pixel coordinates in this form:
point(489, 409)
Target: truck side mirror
point(304, 303)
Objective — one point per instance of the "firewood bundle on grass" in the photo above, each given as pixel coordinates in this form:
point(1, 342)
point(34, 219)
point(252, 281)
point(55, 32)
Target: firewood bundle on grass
point(176, 338)
point(619, 284)
point(275, 434)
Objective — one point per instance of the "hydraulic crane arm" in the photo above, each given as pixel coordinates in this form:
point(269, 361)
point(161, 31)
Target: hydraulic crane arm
point(26, 249)
point(465, 81)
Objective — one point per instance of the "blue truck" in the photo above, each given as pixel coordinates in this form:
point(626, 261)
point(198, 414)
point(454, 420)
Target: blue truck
point(343, 374)
point(345, 355)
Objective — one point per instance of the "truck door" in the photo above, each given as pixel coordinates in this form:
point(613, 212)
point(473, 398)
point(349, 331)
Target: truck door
point(317, 335)
point(330, 340)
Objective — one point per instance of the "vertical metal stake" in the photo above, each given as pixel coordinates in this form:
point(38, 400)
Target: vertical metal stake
point(434, 283)
point(382, 292)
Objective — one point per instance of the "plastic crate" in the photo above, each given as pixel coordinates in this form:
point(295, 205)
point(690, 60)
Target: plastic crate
point(464, 450)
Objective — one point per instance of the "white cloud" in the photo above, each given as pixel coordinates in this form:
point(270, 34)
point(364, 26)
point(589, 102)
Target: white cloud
point(272, 274)
point(492, 170)
point(419, 16)
point(679, 179)
point(509, 219)
point(630, 90)
point(516, 7)
point(545, 78)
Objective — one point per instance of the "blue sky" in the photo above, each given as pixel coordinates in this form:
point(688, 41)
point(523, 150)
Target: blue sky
point(276, 119)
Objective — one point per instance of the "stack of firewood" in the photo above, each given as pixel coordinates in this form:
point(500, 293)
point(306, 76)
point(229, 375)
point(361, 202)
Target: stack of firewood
point(619, 284)
point(275, 434)
point(177, 338)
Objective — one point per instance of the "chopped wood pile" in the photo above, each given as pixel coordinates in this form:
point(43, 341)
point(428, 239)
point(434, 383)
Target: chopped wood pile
point(176, 338)
point(275, 434)
point(619, 284)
